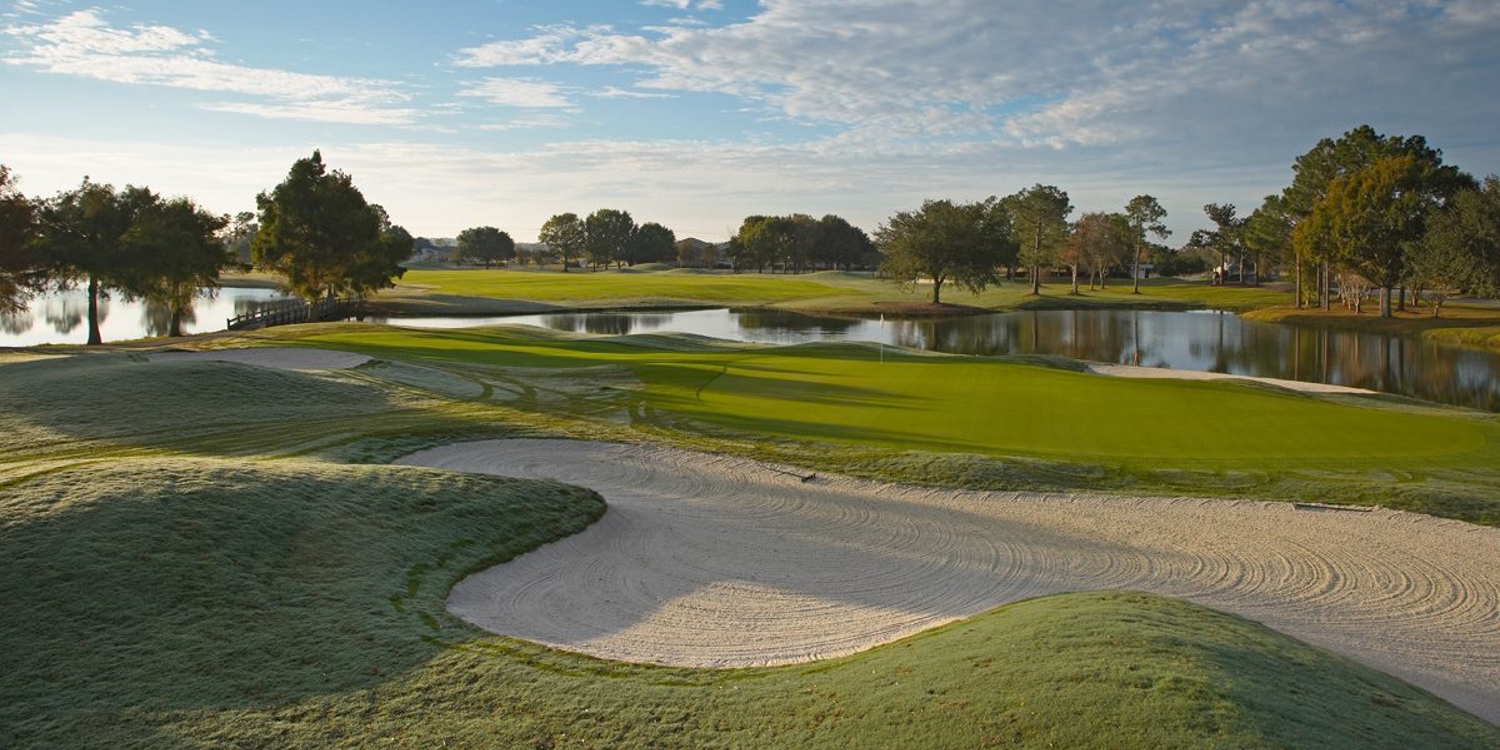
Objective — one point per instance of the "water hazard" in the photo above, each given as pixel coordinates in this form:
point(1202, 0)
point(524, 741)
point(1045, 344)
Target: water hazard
point(1205, 341)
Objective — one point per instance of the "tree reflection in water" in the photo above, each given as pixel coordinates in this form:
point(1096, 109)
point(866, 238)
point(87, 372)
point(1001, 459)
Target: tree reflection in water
point(1206, 341)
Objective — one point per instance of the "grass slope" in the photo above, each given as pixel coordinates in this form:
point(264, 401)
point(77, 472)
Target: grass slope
point(193, 561)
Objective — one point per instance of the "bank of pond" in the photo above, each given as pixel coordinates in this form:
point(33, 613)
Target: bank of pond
point(1204, 341)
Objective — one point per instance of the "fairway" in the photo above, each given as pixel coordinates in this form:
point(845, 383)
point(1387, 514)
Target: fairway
point(852, 394)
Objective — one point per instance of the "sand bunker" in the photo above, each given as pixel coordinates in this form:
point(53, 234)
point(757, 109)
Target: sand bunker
point(281, 358)
point(1132, 371)
point(711, 561)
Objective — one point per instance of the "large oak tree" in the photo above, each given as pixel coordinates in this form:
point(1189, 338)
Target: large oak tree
point(174, 252)
point(942, 242)
point(485, 245)
point(566, 236)
point(318, 231)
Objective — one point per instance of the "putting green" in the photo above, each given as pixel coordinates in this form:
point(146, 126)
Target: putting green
point(979, 406)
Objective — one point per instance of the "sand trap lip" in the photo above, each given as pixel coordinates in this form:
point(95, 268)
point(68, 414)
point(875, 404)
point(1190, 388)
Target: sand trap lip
point(713, 561)
point(281, 358)
point(1133, 371)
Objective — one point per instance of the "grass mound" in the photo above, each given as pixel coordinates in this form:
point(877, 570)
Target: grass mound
point(159, 586)
point(115, 396)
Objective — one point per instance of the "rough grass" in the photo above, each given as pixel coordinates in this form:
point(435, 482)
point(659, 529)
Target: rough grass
point(216, 573)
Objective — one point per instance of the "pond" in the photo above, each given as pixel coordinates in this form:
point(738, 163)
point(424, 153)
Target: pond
point(1206, 341)
point(62, 317)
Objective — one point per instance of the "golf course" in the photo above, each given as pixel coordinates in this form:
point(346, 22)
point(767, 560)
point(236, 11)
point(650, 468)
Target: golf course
point(362, 535)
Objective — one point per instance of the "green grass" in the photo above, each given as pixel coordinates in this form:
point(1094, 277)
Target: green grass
point(993, 423)
point(205, 554)
point(498, 291)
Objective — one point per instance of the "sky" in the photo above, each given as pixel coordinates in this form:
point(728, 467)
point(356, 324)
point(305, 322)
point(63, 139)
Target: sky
point(697, 113)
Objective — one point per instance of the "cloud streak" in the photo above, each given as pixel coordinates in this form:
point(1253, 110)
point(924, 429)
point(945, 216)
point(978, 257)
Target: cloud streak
point(85, 45)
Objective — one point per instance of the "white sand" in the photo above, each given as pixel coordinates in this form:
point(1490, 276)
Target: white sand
point(710, 561)
point(281, 358)
point(1132, 371)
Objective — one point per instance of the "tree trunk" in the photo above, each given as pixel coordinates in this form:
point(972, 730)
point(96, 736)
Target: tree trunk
point(1135, 273)
point(94, 338)
point(1074, 269)
point(174, 329)
point(1297, 273)
point(1401, 300)
point(1036, 279)
point(1385, 302)
point(937, 288)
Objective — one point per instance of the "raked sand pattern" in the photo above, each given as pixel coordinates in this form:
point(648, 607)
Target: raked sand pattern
point(712, 561)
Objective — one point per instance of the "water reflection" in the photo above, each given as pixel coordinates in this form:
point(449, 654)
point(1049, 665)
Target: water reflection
point(62, 317)
point(1208, 341)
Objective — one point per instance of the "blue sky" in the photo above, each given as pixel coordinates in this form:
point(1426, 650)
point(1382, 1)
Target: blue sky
point(696, 113)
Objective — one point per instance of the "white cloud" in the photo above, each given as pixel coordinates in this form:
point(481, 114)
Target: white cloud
point(1033, 72)
point(615, 92)
point(685, 4)
point(85, 45)
point(518, 92)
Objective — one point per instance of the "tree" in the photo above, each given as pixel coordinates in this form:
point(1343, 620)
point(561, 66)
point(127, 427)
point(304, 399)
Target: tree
point(317, 230)
point(1461, 248)
point(484, 245)
point(19, 272)
point(372, 270)
point(1144, 215)
point(943, 242)
point(173, 251)
point(651, 243)
point(607, 234)
point(1369, 217)
point(841, 243)
point(1331, 159)
point(566, 236)
point(1039, 221)
point(81, 239)
point(762, 241)
point(238, 237)
point(1099, 242)
point(1226, 238)
point(1268, 232)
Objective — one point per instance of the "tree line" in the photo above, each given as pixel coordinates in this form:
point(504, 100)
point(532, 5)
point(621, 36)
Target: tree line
point(315, 228)
point(606, 237)
point(974, 245)
point(1364, 212)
